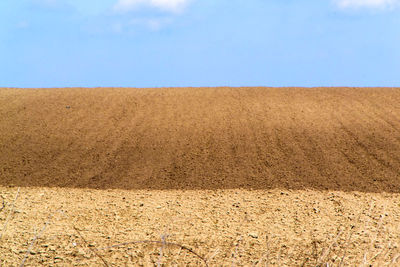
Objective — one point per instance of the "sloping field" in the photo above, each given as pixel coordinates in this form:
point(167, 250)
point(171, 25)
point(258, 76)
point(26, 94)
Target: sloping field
point(201, 138)
point(200, 177)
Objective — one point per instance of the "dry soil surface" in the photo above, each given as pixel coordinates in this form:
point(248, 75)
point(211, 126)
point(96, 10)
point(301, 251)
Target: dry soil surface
point(201, 138)
point(224, 227)
point(200, 176)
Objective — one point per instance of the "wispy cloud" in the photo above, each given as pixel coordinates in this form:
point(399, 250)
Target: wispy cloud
point(154, 24)
point(376, 4)
point(174, 6)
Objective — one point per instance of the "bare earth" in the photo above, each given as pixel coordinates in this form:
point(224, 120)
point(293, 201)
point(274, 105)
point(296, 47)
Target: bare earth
point(223, 226)
point(200, 176)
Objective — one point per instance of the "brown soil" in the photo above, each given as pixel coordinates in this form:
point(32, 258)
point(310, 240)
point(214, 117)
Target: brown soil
point(239, 176)
point(202, 138)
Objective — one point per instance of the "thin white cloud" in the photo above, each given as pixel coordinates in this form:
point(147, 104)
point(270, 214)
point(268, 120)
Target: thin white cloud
point(166, 5)
point(154, 24)
point(374, 4)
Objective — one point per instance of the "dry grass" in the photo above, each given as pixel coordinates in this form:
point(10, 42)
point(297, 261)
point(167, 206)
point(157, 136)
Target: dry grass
point(387, 256)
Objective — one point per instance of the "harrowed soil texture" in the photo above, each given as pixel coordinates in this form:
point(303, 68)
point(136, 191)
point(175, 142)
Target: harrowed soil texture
point(344, 139)
point(239, 176)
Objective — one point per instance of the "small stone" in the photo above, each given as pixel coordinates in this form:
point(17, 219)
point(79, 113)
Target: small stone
point(253, 235)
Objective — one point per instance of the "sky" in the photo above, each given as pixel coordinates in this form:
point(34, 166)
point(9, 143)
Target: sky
point(168, 43)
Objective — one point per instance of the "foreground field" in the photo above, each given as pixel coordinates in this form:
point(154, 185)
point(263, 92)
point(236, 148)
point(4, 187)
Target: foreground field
point(224, 227)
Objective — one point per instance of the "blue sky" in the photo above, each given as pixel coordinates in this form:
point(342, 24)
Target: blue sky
point(157, 43)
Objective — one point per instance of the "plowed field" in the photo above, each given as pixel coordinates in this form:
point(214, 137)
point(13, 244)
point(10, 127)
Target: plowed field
point(239, 176)
point(202, 138)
